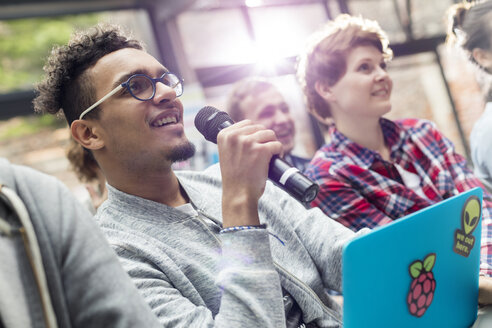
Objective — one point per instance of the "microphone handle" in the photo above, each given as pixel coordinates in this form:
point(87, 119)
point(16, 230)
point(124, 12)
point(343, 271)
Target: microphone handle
point(284, 175)
point(290, 179)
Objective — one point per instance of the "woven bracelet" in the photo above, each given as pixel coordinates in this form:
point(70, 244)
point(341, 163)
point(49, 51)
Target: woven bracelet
point(239, 228)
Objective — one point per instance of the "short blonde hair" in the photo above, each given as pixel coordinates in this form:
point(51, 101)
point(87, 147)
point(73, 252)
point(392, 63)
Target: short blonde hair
point(324, 58)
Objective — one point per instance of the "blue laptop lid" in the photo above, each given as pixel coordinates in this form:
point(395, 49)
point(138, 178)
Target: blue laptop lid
point(419, 271)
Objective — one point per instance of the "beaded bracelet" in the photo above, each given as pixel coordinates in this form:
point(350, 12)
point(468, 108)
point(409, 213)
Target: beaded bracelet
point(239, 228)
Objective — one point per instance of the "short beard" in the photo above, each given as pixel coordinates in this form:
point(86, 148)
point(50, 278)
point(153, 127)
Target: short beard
point(182, 152)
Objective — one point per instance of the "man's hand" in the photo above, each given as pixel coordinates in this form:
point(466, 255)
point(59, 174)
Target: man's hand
point(245, 150)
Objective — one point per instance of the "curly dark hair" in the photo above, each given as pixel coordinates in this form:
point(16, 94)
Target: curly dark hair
point(67, 85)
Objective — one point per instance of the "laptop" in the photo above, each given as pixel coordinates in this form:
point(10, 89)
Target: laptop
point(418, 271)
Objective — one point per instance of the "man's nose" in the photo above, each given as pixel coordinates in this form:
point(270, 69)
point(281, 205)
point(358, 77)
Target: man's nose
point(163, 92)
point(281, 117)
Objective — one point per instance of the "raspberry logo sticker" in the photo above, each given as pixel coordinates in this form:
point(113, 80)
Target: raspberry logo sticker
point(463, 239)
point(423, 285)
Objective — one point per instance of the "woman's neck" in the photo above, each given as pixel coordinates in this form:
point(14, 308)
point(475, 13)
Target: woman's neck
point(365, 132)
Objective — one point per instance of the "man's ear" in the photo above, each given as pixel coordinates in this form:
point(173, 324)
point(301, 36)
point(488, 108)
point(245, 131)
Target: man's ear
point(86, 134)
point(483, 57)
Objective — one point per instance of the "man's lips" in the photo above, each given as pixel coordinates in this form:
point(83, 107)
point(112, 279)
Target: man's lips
point(284, 134)
point(166, 119)
point(170, 115)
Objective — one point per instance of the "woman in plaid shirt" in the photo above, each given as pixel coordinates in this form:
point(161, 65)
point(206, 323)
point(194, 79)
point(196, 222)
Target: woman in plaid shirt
point(375, 170)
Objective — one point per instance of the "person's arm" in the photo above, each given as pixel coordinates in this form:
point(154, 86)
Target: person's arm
point(245, 150)
point(250, 297)
point(340, 201)
point(322, 237)
point(464, 179)
point(79, 261)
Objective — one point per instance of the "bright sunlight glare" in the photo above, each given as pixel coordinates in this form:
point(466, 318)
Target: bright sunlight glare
point(253, 3)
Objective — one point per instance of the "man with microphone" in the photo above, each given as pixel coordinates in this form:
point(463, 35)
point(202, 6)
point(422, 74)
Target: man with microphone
point(223, 247)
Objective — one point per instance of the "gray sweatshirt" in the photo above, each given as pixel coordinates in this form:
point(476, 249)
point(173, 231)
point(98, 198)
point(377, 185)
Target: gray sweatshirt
point(85, 282)
point(192, 276)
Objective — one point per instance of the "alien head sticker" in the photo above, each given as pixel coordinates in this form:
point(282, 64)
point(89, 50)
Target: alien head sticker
point(470, 216)
point(423, 285)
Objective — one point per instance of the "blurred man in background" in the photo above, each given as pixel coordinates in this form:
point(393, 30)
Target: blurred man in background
point(260, 101)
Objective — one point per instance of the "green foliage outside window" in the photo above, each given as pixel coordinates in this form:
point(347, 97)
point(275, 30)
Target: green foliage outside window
point(25, 44)
point(24, 47)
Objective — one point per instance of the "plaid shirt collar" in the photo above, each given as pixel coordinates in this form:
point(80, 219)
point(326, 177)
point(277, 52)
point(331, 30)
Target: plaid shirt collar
point(394, 137)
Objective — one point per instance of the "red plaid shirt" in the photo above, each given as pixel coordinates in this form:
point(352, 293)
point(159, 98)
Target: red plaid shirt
point(360, 189)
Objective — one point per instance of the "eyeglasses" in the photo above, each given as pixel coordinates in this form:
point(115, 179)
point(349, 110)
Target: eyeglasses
point(142, 87)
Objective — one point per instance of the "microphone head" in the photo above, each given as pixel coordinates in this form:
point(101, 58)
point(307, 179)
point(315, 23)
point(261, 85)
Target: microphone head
point(209, 121)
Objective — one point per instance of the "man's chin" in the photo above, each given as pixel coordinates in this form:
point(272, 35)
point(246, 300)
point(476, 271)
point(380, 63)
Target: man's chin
point(182, 152)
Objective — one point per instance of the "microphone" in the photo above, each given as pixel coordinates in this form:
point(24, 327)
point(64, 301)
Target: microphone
point(209, 121)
